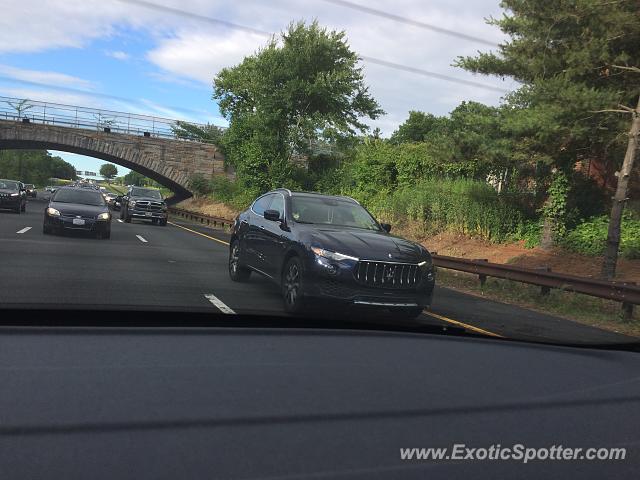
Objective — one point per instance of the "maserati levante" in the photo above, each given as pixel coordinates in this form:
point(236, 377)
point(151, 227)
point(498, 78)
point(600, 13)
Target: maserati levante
point(331, 248)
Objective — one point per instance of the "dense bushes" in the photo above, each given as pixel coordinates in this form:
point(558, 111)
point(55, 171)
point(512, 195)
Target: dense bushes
point(590, 236)
point(470, 207)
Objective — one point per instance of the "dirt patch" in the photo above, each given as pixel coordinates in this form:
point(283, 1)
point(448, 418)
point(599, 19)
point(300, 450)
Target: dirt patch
point(561, 261)
point(208, 207)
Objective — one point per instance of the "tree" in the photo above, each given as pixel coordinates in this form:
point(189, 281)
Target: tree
point(34, 166)
point(108, 171)
point(620, 197)
point(564, 53)
point(20, 106)
point(135, 178)
point(416, 127)
point(287, 95)
point(203, 133)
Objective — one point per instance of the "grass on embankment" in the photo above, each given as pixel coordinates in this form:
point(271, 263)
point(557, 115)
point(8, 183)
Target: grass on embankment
point(583, 309)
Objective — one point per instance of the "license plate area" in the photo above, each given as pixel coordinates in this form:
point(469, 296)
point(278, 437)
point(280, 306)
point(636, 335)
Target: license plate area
point(148, 214)
point(78, 221)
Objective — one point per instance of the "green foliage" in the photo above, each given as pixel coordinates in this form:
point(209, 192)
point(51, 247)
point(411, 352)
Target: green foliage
point(416, 127)
point(466, 206)
point(206, 133)
point(555, 208)
point(283, 97)
point(200, 185)
point(589, 237)
point(564, 53)
point(108, 171)
point(34, 166)
point(137, 179)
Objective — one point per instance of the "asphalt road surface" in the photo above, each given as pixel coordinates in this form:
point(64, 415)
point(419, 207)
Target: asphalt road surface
point(184, 267)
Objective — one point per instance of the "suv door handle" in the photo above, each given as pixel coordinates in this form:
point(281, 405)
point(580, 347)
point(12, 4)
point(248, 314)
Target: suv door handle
point(261, 227)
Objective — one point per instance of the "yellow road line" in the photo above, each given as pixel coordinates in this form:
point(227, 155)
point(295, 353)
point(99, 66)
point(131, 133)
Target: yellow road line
point(468, 327)
point(434, 315)
point(198, 233)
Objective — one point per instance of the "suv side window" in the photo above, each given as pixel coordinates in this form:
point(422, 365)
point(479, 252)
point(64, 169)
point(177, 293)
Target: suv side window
point(278, 204)
point(262, 204)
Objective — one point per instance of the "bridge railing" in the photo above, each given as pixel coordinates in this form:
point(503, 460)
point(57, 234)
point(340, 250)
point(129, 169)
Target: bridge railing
point(48, 113)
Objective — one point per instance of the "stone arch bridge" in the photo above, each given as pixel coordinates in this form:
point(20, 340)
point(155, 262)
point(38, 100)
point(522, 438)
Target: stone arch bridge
point(144, 144)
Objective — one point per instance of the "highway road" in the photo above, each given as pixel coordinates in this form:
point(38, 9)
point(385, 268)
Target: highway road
point(184, 267)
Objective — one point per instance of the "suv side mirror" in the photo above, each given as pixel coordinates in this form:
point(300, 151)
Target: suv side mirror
point(386, 227)
point(273, 215)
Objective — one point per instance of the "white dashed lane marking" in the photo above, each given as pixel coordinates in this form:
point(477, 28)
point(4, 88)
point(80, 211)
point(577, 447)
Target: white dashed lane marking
point(141, 238)
point(219, 303)
point(24, 230)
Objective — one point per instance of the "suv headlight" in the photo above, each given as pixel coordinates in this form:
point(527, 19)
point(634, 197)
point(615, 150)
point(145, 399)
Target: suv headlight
point(15, 194)
point(338, 257)
point(104, 216)
point(132, 203)
point(53, 212)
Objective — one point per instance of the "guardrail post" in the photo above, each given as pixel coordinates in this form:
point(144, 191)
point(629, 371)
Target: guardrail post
point(481, 277)
point(627, 308)
point(544, 291)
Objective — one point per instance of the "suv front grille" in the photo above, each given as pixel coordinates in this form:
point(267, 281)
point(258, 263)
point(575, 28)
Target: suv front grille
point(148, 206)
point(387, 274)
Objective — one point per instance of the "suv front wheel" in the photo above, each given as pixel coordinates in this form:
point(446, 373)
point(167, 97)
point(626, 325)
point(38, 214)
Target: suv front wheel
point(237, 272)
point(292, 286)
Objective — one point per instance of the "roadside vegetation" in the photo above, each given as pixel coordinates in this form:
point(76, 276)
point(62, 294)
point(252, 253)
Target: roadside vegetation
point(34, 166)
point(540, 168)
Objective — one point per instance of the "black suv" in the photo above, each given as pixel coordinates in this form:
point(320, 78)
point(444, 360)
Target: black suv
point(144, 203)
point(13, 195)
point(331, 248)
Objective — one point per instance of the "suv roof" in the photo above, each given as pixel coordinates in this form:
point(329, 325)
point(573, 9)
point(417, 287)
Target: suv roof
point(313, 194)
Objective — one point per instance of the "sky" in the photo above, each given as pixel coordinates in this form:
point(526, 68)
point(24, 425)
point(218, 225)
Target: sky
point(123, 55)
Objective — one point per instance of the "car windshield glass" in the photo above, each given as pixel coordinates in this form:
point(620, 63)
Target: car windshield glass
point(84, 197)
point(8, 185)
point(146, 192)
point(28, 185)
point(331, 211)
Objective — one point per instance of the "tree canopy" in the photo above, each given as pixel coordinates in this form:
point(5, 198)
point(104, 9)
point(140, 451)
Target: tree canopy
point(278, 101)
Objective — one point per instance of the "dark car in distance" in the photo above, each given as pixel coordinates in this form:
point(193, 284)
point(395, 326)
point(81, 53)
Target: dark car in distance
point(13, 195)
point(144, 204)
point(31, 190)
point(330, 248)
point(77, 209)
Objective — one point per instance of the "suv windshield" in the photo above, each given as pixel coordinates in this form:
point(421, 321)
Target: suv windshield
point(331, 211)
point(84, 197)
point(9, 185)
point(146, 192)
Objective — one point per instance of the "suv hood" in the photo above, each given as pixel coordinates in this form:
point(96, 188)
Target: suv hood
point(368, 245)
point(6, 190)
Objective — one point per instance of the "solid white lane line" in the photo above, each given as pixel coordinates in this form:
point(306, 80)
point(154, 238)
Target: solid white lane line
point(218, 303)
point(25, 229)
point(141, 239)
point(119, 221)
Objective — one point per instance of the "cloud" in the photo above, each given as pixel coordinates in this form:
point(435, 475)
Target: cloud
point(48, 77)
point(200, 55)
point(186, 49)
point(117, 54)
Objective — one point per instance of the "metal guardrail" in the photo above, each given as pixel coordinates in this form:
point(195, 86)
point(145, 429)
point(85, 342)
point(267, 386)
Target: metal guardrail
point(201, 218)
point(627, 293)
